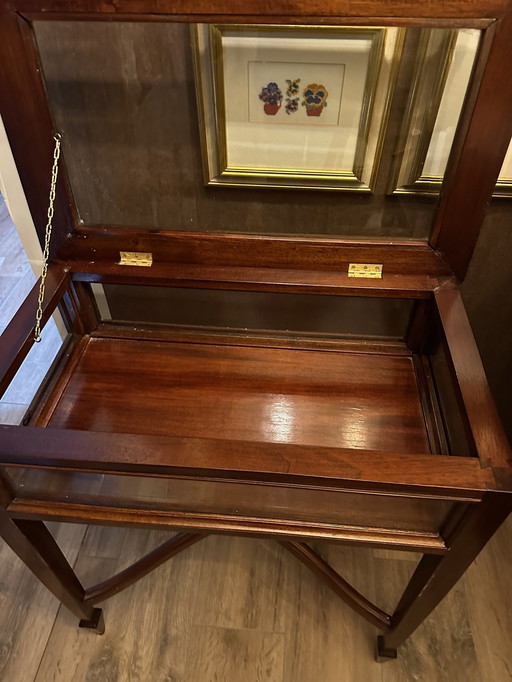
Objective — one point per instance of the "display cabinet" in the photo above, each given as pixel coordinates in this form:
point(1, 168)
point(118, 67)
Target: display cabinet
point(280, 203)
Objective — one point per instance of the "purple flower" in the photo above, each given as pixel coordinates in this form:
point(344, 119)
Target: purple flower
point(292, 105)
point(271, 94)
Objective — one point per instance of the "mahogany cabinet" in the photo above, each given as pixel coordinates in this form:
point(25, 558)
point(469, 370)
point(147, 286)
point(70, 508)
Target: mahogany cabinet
point(247, 382)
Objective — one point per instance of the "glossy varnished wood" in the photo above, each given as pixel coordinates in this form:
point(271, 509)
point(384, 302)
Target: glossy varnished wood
point(490, 439)
point(23, 101)
point(36, 547)
point(444, 476)
point(255, 394)
point(298, 8)
point(243, 336)
point(486, 139)
point(252, 279)
point(99, 247)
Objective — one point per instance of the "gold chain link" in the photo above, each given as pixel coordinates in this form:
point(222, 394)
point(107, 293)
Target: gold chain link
point(47, 237)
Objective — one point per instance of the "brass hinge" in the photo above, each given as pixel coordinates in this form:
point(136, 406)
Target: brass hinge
point(372, 270)
point(135, 258)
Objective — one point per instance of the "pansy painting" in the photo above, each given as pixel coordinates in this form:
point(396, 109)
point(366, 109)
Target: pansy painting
point(294, 106)
point(272, 97)
point(292, 101)
point(315, 99)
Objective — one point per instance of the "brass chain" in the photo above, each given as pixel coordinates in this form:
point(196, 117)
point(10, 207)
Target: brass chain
point(47, 237)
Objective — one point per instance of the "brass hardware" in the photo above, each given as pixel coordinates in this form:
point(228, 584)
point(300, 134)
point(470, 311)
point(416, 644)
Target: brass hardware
point(367, 270)
point(136, 258)
point(47, 237)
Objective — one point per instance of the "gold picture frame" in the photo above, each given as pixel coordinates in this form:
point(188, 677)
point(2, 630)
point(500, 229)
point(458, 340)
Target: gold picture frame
point(246, 142)
point(444, 65)
point(504, 184)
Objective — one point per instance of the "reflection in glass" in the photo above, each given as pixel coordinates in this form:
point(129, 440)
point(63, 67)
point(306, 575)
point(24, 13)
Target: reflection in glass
point(135, 124)
point(444, 64)
point(302, 107)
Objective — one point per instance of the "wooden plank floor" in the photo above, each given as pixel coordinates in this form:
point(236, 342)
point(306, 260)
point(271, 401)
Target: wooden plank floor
point(243, 610)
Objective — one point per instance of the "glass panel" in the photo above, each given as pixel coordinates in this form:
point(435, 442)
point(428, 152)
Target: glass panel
point(262, 129)
point(342, 315)
point(444, 64)
point(22, 395)
point(504, 184)
point(232, 500)
point(299, 107)
point(16, 281)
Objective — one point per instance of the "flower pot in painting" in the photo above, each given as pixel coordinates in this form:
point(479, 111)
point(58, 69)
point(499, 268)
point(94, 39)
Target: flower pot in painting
point(315, 98)
point(272, 97)
point(314, 112)
point(271, 109)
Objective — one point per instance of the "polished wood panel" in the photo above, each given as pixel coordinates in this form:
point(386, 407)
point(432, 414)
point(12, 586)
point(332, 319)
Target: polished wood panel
point(351, 469)
point(487, 295)
point(99, 246)
point(269, 395)
point(486, 139)
point(251, 279)
point(26, 116)
point(488, 434)
point(206, 523)
point(240, 9)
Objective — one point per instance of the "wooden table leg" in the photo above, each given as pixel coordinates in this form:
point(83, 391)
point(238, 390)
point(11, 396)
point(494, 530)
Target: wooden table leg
point(37, 548)
point(436, 575)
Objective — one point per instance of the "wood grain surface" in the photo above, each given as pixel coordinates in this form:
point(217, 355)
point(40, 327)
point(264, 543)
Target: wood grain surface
point(486, 139)
point(271, 395)
point(240, 9)
point(490, 439)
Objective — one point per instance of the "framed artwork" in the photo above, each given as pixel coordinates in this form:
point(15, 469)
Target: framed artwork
point(294, 107)
point(504, 184)
point(444, 65)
